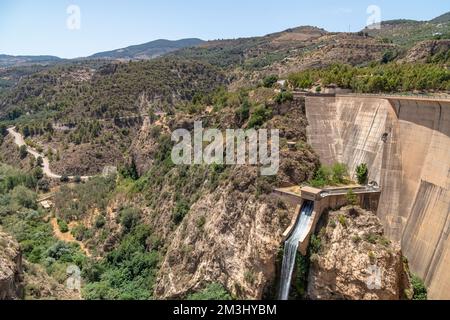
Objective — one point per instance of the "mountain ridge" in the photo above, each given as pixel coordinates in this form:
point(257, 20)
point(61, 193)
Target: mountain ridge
point(148, 50)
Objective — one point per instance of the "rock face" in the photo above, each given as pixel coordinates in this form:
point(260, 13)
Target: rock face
point(11, 272)
point(232, 234)
point(236, 247)
point(356, 262)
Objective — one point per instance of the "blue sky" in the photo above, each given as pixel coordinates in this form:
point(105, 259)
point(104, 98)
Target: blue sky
point(32, 27)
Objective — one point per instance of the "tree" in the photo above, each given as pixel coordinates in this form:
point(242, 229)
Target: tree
point(64, 178)
point(283, 97)
point(38, 173)
point(24, 197)
point(243, 112)
point(3, 130)
point(181, 210)
point(44, 185)
point(26, 131)
point(269, 81)
point(23, 152)
point(63, 227)
point(339, 172)
point(362, 173)
point(352, 198)
point(40, 162)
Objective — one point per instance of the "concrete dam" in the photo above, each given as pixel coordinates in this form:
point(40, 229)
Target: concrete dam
point(406, 144)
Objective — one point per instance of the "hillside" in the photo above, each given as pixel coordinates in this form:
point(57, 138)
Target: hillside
point(101, 107)
point(10, 61)
point(442, 19)
point(148, 50)
point(407, 33)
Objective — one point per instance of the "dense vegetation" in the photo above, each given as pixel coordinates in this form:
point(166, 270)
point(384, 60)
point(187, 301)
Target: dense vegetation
point(128, 272)
point(86, 199)
point(330, 176)
point(21, 217)
point(420, 290)
point(377, 78)
point(70, 94)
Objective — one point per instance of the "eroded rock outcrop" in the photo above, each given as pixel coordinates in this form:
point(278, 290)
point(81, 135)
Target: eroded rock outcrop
point(11, 271)
point(356, 261)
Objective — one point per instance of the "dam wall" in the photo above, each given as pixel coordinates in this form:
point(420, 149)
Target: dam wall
point(406, 144)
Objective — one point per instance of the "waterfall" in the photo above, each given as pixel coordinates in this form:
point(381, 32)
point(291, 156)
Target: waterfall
point(291, 247)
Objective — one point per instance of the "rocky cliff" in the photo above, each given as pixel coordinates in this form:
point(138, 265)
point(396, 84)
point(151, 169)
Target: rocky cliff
point(232, 232)
point(356, 261)
point(11, 272)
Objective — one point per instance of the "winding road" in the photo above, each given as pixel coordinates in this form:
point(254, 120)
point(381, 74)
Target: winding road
point(20, 141)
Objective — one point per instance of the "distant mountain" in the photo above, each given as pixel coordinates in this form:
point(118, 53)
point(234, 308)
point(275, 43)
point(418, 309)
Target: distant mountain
point(148, 50)
point(407, 33)
point(442, 19)
point(9, 61)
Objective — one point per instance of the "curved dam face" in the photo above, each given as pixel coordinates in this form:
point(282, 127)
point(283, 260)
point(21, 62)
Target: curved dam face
point(406, 144)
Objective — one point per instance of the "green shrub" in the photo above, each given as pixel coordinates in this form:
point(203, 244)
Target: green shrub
point(23, 152)
point(63, 227)
point(420, 290)
point(333, 224)
point(260, 115)
point(315, 244)
point(269, 81)
point(24, 197)
point(100, 222)
point(79, 232)
point(343, 220)
point(371, 238)
point(340, 171)
point(250, 276)
point(243, 113)
point(201, 222)
point(352, 198)
point(213, 291)
point(362, 173)
point(129, 217)
point(180, 211)
point(283, 97)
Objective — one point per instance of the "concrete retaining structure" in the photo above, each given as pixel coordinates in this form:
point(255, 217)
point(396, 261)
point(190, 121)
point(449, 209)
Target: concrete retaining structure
point(406, 144)
point(331, 199)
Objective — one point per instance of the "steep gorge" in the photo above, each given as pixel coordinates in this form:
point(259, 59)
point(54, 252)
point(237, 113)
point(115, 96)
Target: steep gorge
point(406, 144)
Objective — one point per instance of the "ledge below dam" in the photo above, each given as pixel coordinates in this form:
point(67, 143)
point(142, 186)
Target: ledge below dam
point(406, 144)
